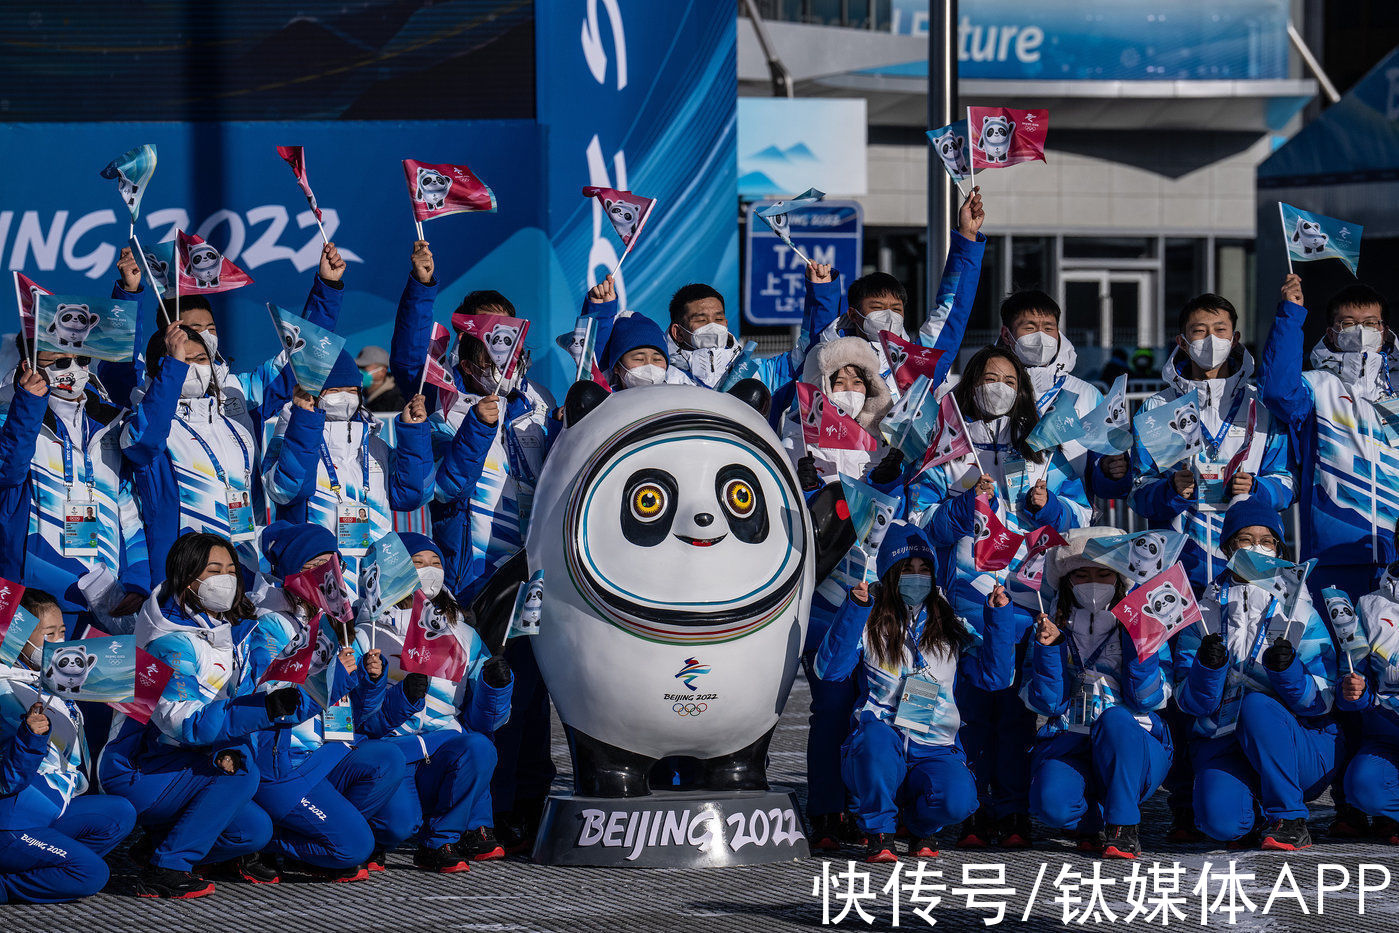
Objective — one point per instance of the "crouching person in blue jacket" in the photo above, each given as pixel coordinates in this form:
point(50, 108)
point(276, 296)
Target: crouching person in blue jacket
point(1371, 687)
point(904, 743)
point(1104, 748)
point(324, 784)
point(52, 835)
point(448, 745)
point(1260, 687)
point(190, 772)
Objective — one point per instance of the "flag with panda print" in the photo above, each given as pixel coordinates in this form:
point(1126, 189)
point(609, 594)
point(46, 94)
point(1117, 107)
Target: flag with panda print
point(775, 214)
point(1029, 571)
point(999, 137)
point(503, 336)
point(295, 156)
point(1283, 578)
point(950, 145)
point(1058, 425)
point(104, 328)
point(908, 360)
point(27, 293)
point(386, 576)
point(823, 425)
point(628, 212)
point(15, 631)
point(1156, 610)
point(1170, 433)
point(1138, 556)
point(871, 511)
point(1340, 614)
point(995, 545)
point(324, 588)
point(293, 664)
point(950, 441)
point(157, 264)
point(97, 670)
point(200, 269)
point(439, 190)
point(1315, 236)
point(311, 349)
point(1106, 429)
point(431, 646)
point(132, 171)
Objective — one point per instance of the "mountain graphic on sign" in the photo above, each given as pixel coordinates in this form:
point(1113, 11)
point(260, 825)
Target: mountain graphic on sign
point(798, 152)
point(757, 182)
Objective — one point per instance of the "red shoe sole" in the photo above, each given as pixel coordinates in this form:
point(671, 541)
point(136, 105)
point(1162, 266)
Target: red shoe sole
point(374, 866)
point(361, 875)
point(181, 897)
point(825, 844)
point(925, 852)
point(971, 842)
point(1092, 848)
point(1015, 842)
point(1115, 852)
point(1273, 845)
point(883, 856)
point(497, 853)
point(276, 880)
point(452, 869)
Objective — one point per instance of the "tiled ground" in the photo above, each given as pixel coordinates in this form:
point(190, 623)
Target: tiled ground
point(517, 895)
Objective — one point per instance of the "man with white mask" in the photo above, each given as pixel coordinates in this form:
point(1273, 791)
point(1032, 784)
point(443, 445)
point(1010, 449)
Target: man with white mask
point(68, 521)
point(1349, 495)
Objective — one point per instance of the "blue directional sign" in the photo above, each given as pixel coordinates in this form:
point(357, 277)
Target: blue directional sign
point(774, 285)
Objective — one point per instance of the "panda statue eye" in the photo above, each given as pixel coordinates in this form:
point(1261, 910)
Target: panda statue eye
point(648, 507)
point(648, 502)
point(742, 499)
point(739, 498)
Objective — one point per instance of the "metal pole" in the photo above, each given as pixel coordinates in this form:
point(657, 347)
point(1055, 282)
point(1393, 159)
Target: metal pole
point(942, 109)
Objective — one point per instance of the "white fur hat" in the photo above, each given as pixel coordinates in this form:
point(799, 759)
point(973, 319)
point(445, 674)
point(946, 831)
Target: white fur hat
point(1069, 557)
point(831, 356)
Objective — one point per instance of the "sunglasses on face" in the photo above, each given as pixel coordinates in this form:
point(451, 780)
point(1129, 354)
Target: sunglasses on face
point(67, 361)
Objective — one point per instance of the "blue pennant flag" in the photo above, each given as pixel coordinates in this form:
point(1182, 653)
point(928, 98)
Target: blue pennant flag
point(950, 146)
point(104, 328)
point(1170, 433)
point(1315, 236)
point(311, 348)
point(1106, 429)
point(1058, 425)
point(386, 576)
point(132, 171)
point(1139, 556)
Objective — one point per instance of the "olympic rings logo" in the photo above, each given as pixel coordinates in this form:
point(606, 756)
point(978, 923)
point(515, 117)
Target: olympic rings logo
point(689, 709)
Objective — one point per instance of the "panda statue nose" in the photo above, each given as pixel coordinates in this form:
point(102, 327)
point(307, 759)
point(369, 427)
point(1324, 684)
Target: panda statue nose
point(704, 519)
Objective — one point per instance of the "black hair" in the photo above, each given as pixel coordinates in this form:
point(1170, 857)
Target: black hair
point(187, 303)
point(187, 560)
point(942, 634)
point(155, 347)
point(695, 291)
point(1358, 295)
point(1031, 299)
point(485, 298)
point(1206, 302)
point(1023, 414)
point(36, 601)
point(876, 285)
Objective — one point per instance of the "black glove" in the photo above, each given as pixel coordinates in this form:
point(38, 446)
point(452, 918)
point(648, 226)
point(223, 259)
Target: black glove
point(1212, 653)
point(415, 686)
point(807, 475)
point(496, 672)
point(1279, 656)
point(282, 702)
point(889, 468)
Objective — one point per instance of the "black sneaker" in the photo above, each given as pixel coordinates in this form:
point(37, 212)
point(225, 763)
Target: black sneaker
point(1183, 828)
point(512, 835)
point(1091, 843)
point(254, 869)
point(480, 845)
point(1349, 823)
point(1015, 831)
point(880, 848)
point(825, 832)
point(1121, 842)
point(926, 847)
point(444, 860)
point(1385, 830)
point(975, 832)
point(1287, 835)
point(154, 881)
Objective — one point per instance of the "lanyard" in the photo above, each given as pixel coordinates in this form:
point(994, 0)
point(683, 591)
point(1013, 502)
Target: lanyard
point(1049, 394)
point(209, 451)
point(1077, 658)
point(363, 468)
point(68, 454)
point(519, 464)
point(1213, 442)
point(1263, 621)
point(915, 634)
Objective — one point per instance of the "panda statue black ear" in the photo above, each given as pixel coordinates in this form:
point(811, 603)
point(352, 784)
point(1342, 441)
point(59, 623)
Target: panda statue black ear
point(495, 602)
point(834, 532)
point(583, 396)
point(754, 394)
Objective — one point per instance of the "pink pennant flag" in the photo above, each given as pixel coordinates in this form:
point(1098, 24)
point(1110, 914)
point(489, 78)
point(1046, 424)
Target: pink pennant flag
point(435, 374)
point(1237, 461)
point(324, 588)
point(1156, 610)
point(202, 269)
point(1030, 573)
point(628, 212)
point(1001, 137)
point(152, 674)
point(439, 190)
point(995, 544)
point(294, 663)
point(951, 442)
point(295, 156)
point(824, 426)
point(908, 361)
point(438, 342)
point(430, 647)
point(27, 293)
point(503, 336)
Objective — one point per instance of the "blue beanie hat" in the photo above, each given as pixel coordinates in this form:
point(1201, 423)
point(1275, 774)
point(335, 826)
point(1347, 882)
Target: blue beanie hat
point(901, 542)
point(343, 373)
point(416, 542)
point(631, 333)
point(289, 545)
point(1251, 510)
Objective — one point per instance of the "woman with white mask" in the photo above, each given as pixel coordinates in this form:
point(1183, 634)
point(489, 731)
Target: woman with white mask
point(1004, 479)
point(634, 355)
point(847, 373)
point(1104, 748)
point(328, 464)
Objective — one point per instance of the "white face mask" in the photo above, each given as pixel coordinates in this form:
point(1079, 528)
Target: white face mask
point(217, 593)
point(1094, 596)
point(883, 319)
point(648, 375)
point(1209, 352)
point(67, 383)
point(1262, 549)
point(211, 343)
point(430, 581)
point(1036, 348)
point(196, 380)
point(994, 398)
point(709, 336)
point(1355, 338)
point(339, 406)
point(850, 403)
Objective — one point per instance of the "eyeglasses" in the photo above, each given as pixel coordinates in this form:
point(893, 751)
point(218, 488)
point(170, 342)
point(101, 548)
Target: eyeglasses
point(1250, 541)
point(65, 362)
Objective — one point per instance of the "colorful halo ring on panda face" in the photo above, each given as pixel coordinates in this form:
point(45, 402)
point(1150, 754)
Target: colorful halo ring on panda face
point(684, 528)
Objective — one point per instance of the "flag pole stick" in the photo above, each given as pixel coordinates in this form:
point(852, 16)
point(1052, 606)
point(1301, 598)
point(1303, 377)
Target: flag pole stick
point(1282, 217)
point(321, 227)
point(419, 225)
point(19, 309)
point(971, 151)
point(131, 229)
point(422, 380)
point(175, 261)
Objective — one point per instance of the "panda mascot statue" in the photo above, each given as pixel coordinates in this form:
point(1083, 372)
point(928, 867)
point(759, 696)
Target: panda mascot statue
point(679, 557)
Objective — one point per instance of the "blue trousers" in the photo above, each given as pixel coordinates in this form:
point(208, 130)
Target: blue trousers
point(832, 703)
point(1082, 781)
point(63, 861)
point(933, 782)
point(446, 794)
point(205, 814)
point(334, 823)
point(997, 732)
point(1272, 762)
point(525, 767)
point(1372, 779)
